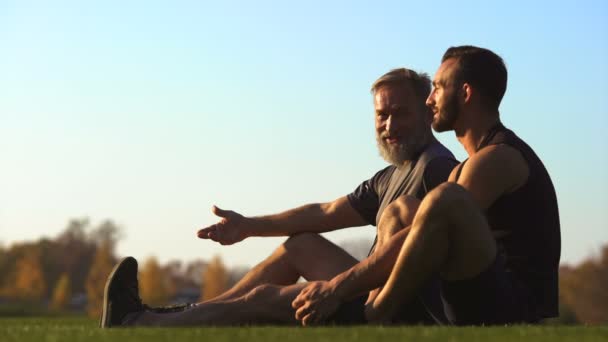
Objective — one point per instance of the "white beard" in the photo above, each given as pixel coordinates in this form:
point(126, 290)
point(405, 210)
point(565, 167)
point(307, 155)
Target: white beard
point(403, 151)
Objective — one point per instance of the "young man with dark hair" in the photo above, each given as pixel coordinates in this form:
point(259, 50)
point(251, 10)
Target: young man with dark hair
point(492, 231)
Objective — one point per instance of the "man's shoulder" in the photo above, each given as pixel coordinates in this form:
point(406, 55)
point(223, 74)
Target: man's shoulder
point(438, 155)
point(382, 176)
point(501, 167)
point(437, 162)
point(497, 155)
point(436, 149)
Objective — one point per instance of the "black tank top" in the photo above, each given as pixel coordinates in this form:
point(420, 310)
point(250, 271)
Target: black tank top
point(527, 228)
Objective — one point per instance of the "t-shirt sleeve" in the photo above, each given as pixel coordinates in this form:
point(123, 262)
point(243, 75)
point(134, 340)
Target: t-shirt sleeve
point(365, 199)
point(436, 172)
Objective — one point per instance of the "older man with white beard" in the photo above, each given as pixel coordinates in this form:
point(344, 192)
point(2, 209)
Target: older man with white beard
point(265, 295)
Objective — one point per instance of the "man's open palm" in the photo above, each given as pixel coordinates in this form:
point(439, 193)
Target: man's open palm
point(227, 231)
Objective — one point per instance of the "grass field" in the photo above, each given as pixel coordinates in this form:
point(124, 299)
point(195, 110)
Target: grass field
point(81, 329)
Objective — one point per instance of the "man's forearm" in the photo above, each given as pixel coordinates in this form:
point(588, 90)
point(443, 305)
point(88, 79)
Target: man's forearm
point(316, 217)
point(371, 272)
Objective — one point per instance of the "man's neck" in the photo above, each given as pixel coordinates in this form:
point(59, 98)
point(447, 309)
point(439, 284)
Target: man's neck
point(472, 132)
point(427, 141)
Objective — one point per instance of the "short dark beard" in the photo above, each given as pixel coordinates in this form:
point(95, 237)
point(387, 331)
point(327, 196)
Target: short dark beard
point(403, 151)
point(447, 116)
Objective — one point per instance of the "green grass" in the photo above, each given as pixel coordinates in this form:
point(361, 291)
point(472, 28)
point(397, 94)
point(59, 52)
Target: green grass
point(62, 329)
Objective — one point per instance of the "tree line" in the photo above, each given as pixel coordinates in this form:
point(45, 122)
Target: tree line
point(67, 273)
point(583, 290)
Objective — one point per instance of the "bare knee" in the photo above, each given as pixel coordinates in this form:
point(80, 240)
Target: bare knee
point(452, 211)
point(315, 258)
point(296, 245)
point(447, 189)
point(443, 205)
point(447, 196)
point(301, 243)
point(406, 207)
point(400, 213)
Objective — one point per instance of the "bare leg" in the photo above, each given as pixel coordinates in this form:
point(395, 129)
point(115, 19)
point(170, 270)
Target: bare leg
point(397, 216)
point(450, 235)
point(308, 255)
point(266, 304)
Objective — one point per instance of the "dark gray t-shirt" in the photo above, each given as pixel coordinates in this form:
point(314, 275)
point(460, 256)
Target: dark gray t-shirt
point(417, 178)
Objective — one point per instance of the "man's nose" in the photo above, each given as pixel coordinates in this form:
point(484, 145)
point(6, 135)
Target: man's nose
point(429, 100)
point(389, 124)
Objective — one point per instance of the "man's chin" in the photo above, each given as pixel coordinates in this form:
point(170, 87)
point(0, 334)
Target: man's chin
point(442, 125)
point(394, 155)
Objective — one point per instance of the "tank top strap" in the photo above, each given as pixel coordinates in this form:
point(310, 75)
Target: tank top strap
point(460, 167)
point(487, 140)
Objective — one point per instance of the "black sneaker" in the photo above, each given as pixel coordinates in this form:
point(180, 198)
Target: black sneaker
point(121, 294)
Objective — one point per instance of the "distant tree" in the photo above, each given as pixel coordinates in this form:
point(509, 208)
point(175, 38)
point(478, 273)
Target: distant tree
point(29, 282)
point(103, 262)
point(215, 279)
point(194, 271)
point(61, 293)
point(72, 253)
point(583, 289)
point(153, 286)
point(107, 233)
point(235, 274)
point(75, 231)
point(173, 277)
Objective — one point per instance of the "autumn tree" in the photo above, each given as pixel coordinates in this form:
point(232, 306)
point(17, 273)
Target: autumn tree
point(29, 283)
point(61, 293)
point(107, 233)
point(215, 279)
point(583, 289)
point(103, 262)
point(153, 286)
point(173, 276)
point(193, 272)
point(72, 253)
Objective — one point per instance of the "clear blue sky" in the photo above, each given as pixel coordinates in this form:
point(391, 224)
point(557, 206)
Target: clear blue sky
point(149, 112)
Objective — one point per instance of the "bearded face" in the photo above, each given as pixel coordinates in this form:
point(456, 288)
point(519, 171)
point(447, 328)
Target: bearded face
point(402, 125)
point(446, 112)
point(443, 99)
point(404, 148)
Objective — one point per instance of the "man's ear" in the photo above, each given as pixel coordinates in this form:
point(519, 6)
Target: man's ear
point(466, 92)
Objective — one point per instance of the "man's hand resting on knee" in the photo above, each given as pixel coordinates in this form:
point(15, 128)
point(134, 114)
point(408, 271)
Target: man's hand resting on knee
point(316, 302)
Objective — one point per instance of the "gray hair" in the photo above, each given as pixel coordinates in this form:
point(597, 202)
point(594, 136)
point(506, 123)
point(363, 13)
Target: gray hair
point(420, 82)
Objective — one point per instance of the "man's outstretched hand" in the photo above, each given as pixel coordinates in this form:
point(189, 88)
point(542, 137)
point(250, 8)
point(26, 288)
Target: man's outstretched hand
point(227, 231)
point(316, 303)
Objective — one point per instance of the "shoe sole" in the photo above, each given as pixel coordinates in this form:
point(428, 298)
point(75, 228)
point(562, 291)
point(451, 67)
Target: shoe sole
point(106, 312)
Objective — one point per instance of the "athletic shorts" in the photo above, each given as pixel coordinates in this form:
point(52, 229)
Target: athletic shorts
point(493, 297)
point(425, 309)
point(350, 313)
point(490, 298)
